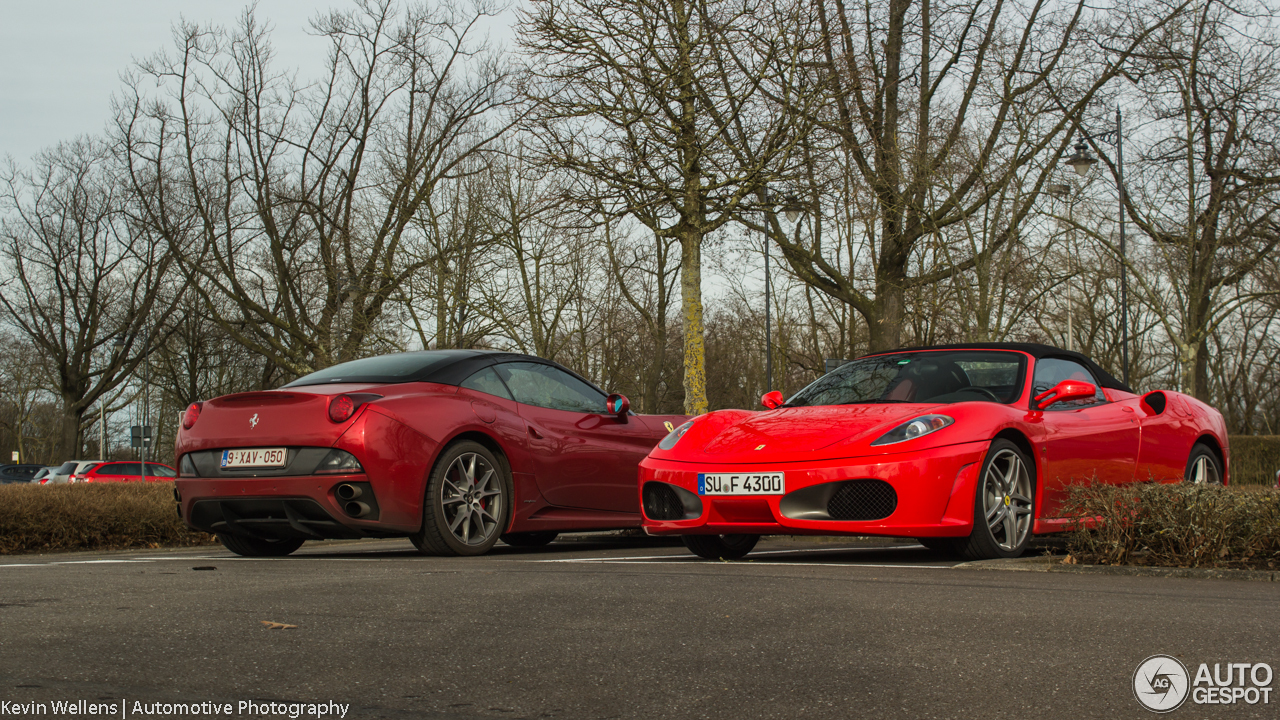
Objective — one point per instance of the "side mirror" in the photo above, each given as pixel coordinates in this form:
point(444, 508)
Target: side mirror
point(772, 399)
point(617, 404)
point(1065, 391)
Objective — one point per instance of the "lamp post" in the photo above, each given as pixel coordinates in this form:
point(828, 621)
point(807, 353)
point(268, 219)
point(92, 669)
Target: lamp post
point(792, 210)
point(1081, 161)
point(117, 345)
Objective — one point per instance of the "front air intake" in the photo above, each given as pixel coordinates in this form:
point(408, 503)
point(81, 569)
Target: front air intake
point(862, 500)
point(668, 502)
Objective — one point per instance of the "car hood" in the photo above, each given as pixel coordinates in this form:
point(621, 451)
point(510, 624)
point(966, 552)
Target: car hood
point(791, 434)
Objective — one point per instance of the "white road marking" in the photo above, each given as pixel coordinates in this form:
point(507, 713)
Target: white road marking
point(762, 552)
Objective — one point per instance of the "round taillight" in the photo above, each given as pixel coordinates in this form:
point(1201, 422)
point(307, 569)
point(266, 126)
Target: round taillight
point(341, 408)
point(190, 416)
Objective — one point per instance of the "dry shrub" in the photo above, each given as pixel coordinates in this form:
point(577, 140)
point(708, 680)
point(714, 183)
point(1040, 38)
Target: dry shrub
point(108, 516)
point(1176, 525)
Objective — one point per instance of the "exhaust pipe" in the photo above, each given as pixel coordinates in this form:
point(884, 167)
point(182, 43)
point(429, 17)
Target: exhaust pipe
point(356, 509)
point(347, 491)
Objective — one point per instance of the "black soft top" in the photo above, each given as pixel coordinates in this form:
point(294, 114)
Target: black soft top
point(446, 367)
point(1035, 350)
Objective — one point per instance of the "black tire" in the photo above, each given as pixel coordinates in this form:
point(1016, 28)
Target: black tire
point(1003, 516)
point(467, 503)
point(253, 547)
point(529, 539)
point(1210, 473)
point(947, 546)
point(720, 547)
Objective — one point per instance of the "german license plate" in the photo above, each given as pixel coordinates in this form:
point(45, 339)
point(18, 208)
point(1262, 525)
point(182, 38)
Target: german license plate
point(741, 483)
point(254, 458)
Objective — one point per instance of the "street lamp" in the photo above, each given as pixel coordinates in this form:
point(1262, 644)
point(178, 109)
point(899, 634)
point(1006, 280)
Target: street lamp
point(1080, 161)
point(792, 210)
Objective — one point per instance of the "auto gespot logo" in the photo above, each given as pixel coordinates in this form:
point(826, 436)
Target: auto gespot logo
point(1161, 683)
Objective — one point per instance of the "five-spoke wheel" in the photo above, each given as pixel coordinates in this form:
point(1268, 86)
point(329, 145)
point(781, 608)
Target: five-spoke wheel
point(1003, 510)
point(467, 502)
point(1203, 466)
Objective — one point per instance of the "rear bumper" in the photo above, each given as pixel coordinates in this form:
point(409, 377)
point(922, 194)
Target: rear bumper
point(275, 507)
point(932, 493)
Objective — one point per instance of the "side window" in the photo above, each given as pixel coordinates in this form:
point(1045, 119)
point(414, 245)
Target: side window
point(1051, 371)
point(131, 468)
point(159, 471)
point(545, 386)
point(487, 382)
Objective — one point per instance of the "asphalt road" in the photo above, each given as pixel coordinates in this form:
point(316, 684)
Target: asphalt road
point(614, 629)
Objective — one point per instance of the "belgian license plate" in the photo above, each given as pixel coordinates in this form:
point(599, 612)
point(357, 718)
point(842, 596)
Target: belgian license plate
point(741, 483)
point(254, 458)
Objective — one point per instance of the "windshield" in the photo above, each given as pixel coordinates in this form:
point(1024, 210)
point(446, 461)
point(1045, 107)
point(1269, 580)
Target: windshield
point(398, 368)
point(919, 377)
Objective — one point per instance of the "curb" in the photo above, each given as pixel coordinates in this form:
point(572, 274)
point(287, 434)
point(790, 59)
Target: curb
point(1053, 564)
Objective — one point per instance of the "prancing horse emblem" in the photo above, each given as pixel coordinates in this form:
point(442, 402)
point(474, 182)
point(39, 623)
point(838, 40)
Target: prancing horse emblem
point(253, 421)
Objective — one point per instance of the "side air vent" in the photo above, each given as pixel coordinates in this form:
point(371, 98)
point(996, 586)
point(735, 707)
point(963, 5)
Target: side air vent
point(668, 502)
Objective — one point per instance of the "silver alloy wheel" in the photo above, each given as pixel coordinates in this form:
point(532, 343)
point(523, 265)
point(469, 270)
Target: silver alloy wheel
point(1205, 471)
point(1006, 501)
point(471, 496)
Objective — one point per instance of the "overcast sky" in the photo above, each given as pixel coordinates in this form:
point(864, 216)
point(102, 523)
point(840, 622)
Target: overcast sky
point(60, 60)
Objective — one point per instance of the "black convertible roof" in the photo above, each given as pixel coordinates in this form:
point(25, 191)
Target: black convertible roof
point(447, 367)
point(1035, 350)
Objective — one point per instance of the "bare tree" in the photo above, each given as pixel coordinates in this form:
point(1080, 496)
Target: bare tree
point(674, 114)
point(1206, 192)
point(78, 277)
point(977, 93)
point(299, 204)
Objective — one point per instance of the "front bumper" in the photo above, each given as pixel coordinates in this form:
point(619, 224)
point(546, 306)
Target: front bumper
point(932, 489)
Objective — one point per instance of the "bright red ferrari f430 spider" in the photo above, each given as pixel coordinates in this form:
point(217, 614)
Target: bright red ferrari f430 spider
point(451, 448)
point(970, 448)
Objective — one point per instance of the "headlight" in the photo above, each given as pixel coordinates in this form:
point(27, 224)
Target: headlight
point(674, 436)
point(912, 429)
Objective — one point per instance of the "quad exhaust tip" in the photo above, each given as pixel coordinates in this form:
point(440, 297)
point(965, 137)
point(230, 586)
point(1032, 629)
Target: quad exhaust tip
point(356, 508)
point(347, 491)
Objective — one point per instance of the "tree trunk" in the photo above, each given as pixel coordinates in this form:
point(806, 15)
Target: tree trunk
point(72, 436)
point(695, 356)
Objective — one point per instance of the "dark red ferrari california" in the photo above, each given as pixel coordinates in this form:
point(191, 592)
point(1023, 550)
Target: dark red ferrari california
point(451, 448)
point(970, 448)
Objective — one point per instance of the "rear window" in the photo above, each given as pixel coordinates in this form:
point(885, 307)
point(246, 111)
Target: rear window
point(401, 367)
point(160, 471)
point(66, 468)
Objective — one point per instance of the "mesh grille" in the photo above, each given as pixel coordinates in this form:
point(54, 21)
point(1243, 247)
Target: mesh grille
point(863, 500)
point(661, 502)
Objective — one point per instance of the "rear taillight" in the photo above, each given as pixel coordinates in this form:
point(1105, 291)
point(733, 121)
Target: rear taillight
point(191, 415)
point(342, 407)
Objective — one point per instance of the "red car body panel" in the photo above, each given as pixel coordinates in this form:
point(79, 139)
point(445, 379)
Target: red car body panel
point(570, 471)
point(115, 471)
point(934, 476)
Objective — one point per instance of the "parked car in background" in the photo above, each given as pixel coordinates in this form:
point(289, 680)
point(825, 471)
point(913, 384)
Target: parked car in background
point(63, 474)
point(42, 474)
point(453, 449)
point(127, 471)
point(18, 473)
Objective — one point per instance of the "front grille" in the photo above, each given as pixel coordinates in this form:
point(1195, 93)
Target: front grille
point(661, 502)
point(863, 500)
